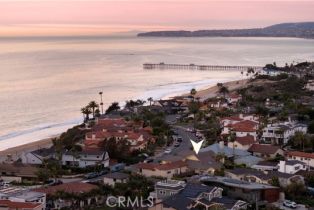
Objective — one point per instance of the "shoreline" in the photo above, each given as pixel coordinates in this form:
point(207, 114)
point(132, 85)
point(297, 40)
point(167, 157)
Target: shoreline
point(204, 92)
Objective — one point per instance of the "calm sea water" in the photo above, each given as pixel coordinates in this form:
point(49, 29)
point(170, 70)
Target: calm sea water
point(45, 81)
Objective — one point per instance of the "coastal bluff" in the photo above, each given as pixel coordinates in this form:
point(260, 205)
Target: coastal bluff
point(292, 30)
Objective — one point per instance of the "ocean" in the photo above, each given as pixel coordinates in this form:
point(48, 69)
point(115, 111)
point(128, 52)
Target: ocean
point(44, 81)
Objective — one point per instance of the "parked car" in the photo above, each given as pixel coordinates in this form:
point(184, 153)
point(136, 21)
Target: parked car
point(168, 151)
point(5, 184)
point(179, 139)
point(117, 167)
point(177, 144)
point(148, 160)
point(91, 175)
point(290, 204)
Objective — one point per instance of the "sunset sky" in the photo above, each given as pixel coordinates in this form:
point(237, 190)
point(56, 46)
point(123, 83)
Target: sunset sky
point(66, 17)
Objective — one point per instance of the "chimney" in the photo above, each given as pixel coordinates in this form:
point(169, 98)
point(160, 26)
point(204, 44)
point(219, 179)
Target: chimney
point(93, 136)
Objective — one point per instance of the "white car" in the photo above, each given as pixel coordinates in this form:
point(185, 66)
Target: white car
point(290, 204)
point(168, 151)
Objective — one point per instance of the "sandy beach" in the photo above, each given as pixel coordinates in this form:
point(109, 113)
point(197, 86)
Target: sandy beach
point(15, 152)
point(210, 91)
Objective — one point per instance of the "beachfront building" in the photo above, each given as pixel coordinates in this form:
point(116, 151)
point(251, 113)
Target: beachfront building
point(306, 158)
point(37, 157)
point(86, 158)
point(280, 133)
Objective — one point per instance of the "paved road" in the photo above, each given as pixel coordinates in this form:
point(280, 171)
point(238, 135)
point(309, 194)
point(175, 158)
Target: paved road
point(185, 145)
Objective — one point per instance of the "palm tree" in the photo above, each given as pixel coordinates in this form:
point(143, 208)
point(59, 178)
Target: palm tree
point(101, 103)
point(224, 90)
point(193, 92)
point(93, 105)
point(86, 111)
point(150, 99)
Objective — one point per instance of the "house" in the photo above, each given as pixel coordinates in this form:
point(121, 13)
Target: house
point(280, 133)
point(116, 177)
point(242, 143)
point(171, 106)
point(239, 156)
point(203, 162)
point(222, 203)
point(167, 170)
point(265, 151)
point(307, 158)
point(85, 158)
point(21, 195)
point(198, 196)
point(38, 156)
point(242, 125)
point(263, 177)
point(167, 188)
point(266, 166)
point(11, 205)
point(291, 166)
point(74, 188)
point(18, 172)
point(233, 98)
point(310, 85)
point(248, 191)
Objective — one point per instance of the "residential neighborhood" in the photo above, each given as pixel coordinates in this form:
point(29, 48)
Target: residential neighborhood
point(250, 157)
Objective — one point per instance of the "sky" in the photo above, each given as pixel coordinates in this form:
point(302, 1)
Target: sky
point(89, 17)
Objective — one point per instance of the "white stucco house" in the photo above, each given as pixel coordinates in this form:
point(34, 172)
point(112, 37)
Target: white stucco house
point(306, 158)
point(86, 158)
point(280, 133)
point(38, 156)
point(291, 166)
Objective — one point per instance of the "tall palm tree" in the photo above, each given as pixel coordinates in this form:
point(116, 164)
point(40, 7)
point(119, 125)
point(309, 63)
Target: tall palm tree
point(93, 105)
point(150, 99)
point(86, 112)
point(101, 103)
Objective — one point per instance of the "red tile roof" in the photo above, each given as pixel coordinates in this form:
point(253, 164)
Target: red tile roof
point(246, 140)
point(244, 126)
point(73, 187)
point(18, 205)
point(301, 154)
point(265, 149)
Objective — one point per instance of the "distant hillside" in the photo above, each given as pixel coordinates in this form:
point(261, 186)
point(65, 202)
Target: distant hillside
point(298, 30)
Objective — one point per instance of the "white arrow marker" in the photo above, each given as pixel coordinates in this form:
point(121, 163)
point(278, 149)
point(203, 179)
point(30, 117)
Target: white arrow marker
point(196, 145)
